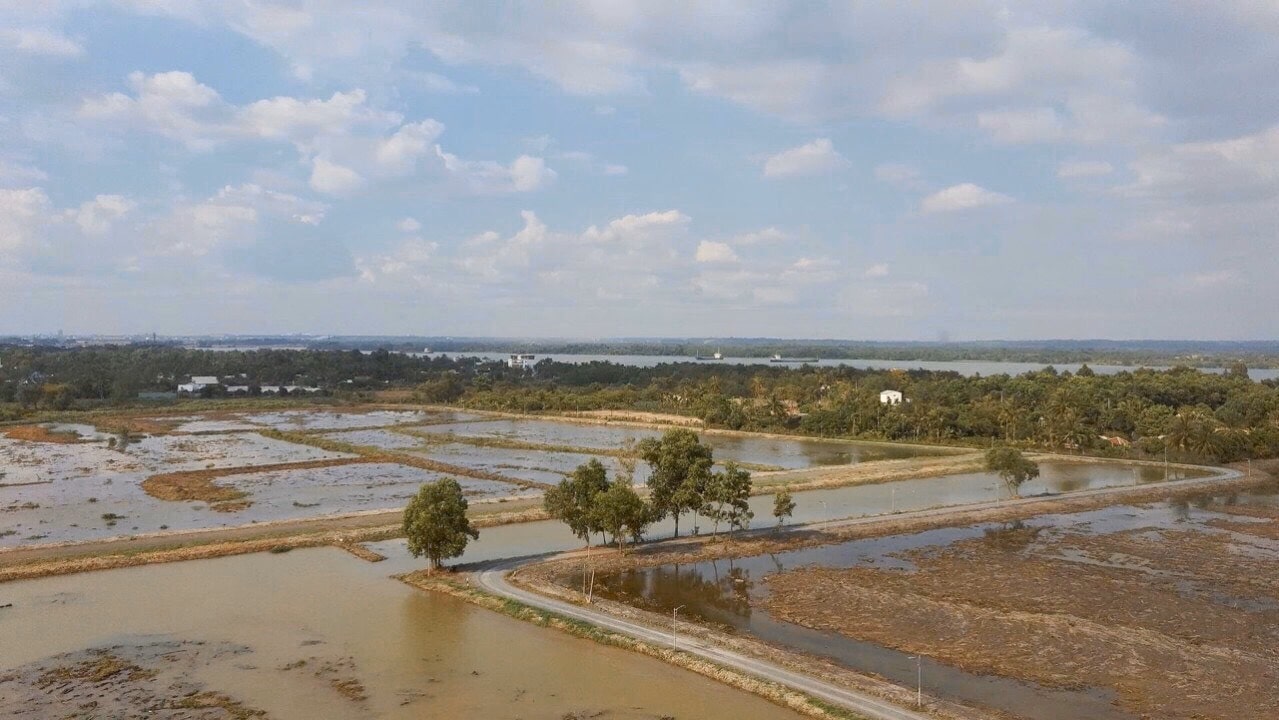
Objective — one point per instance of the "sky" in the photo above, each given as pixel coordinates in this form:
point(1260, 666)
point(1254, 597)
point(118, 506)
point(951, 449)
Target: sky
point(869, 170)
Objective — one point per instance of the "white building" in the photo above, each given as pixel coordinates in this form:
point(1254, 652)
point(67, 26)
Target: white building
point(891, 397)
point(198, 383)
point(521, 361)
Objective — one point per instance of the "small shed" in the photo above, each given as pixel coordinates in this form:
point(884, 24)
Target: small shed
point(891, 397)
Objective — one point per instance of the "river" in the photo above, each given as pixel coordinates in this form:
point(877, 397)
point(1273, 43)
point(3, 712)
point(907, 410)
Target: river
point(963, 367)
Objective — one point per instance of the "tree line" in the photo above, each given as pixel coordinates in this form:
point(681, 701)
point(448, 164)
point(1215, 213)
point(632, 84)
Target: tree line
point(1188, 414)
point(683, 481)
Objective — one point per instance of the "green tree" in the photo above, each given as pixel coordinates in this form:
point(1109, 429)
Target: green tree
point(726, 498)
point(681, 467)
point(621, 513)
point(435, 522)
point(574, 498)
point(783, 506)
point(1013, 467)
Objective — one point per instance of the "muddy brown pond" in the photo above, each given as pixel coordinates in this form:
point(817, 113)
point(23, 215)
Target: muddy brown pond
point(318, 633)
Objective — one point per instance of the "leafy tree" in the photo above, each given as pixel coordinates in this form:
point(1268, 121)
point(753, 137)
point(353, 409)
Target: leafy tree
point(573, 500)
point(726, 498)
point(1013, 467)
point(435, 522)
point(621, 513)
point(783, 506)
point(681, 467)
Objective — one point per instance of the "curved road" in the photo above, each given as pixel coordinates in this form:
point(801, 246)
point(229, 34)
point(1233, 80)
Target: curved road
point(493, 579)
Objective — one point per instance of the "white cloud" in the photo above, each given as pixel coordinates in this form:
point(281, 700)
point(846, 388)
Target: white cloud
point(22, 214)
point(301, 120)
point(413, 260)
point(346, 143)
point(899, 175)
point(331, 178)
point(408, 225)
point(709, 251)
point(530, 173)
point(962, 197)
point(766, 236)
point(615, 170)
point(399, 153)
point(96, 216)
point(436, 83)
point(1236, 168)
point(816, 157)
point(876, 271)
point(1084, 168)
point(39, 41)
point(1035, 125)
point(12, 173)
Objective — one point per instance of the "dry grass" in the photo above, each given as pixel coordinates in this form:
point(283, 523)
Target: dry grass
point(42, 434)
point(992, 608)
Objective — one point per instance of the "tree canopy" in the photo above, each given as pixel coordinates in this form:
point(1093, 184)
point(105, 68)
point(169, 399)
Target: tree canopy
point(783, 506)
point(726, 498)
point(435, 522)
point(1013, 467)
point(621, 513)
point(573, 499)
point(681, 467)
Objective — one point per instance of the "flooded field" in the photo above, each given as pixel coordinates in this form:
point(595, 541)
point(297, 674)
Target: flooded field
point(63, 482)
point(1168, 610)
point(536, 465)
point(329, 420)
point(315, 633)
point(787, 453)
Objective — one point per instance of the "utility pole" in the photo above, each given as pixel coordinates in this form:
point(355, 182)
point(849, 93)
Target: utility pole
point(674, 621)
point(919, 680)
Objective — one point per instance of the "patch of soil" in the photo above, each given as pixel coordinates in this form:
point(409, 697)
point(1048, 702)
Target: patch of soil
point(155, 680)
point(40, 433)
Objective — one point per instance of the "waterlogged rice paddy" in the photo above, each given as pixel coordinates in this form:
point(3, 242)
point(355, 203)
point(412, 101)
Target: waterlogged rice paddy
point(80, 489)
point(329, 420)
point(786, 453)
point(1163, 610)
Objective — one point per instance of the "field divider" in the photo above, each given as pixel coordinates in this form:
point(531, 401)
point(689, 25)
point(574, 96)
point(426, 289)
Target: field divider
point(381, 455)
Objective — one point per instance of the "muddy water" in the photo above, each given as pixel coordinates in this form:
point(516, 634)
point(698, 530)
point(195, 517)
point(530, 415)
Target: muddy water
point(417, 654)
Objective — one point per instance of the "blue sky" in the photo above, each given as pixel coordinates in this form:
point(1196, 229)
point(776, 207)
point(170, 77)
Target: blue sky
point(971, 170)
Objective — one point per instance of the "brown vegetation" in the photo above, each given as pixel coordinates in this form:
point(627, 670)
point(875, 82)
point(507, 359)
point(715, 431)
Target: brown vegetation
point(1152, 625)
point(40, 433)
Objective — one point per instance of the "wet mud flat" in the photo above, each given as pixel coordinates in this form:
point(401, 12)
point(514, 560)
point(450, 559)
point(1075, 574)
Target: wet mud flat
point(151, 680)
point(1166, 609)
